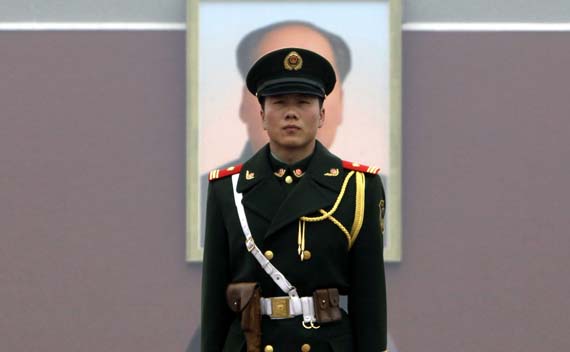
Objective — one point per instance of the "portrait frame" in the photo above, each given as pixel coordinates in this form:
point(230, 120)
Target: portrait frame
point(194, 181)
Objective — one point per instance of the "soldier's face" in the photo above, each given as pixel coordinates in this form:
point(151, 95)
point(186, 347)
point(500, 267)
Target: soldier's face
point(301, 37)
point(292, 121)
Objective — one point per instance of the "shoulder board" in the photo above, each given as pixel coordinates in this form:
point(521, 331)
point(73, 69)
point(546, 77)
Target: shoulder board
point(221, 173)
point(362, 168)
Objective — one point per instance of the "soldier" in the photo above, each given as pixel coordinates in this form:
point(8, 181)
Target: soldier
point(293, 228)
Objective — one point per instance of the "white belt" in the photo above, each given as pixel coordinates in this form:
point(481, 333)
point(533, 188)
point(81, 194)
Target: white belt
point(285, 307)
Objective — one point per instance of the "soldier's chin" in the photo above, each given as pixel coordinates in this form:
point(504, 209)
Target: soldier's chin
point(295, 144)
point(292, 141)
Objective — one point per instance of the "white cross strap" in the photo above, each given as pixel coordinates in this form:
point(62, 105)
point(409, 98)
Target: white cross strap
point(271, 270)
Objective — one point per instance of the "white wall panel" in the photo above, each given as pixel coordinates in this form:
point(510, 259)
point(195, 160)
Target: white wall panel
point(173, 11)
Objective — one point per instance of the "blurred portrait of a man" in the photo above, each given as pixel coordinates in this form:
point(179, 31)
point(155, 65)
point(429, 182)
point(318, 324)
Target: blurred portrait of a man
point(233, 35)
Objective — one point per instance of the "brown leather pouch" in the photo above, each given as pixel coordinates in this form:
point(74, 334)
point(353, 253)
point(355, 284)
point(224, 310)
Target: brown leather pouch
point(245, 297)
point(326, 303)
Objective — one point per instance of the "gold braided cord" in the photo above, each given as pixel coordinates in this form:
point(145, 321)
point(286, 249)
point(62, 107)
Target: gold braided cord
point(335, 206)
point(358, 214)
point(326, 215)
point(300, 233)
point(341, 227)
point(358, 208)
point(301, 240)
point(303, 243)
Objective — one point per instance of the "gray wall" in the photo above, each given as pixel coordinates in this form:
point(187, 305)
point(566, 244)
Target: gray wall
point(92, 194)
point(92, 139)
point(92, 11)
point(174, 10)
point(486, 11)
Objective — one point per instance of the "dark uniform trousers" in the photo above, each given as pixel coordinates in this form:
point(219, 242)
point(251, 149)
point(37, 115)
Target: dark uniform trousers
point(273, 217)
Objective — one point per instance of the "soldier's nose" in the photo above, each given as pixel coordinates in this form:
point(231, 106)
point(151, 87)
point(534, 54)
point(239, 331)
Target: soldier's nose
point(291, 115)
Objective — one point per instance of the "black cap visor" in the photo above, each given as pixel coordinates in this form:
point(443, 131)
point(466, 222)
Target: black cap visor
point(290, 85)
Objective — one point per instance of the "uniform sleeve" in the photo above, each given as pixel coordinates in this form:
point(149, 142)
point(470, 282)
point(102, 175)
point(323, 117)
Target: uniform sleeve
point(367, 295)
point(216, 316)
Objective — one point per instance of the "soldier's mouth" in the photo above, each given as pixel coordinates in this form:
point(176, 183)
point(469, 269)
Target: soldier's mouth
point(291, 128)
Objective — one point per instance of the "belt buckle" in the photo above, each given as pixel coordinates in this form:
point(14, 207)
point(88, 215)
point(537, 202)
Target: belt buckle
point(280, 308)
point(250, 244)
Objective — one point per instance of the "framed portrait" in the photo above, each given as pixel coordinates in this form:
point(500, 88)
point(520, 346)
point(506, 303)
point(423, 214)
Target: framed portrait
point(362, 39)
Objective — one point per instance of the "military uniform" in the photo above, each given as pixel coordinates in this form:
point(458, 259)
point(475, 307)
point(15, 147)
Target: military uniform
point(273, 213)
point(319, 222)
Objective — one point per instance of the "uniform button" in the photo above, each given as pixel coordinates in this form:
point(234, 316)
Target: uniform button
point(288, 179)
point(268, 255)
point(306, 255)
point(355, 164)
point(268, 348)
point(306, 348)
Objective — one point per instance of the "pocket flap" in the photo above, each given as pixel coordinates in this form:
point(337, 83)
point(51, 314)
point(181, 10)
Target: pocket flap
point(239, 294)
point(322, 298)
point(333, 296)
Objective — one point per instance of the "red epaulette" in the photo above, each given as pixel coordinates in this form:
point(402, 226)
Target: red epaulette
point(358, 167)
point(221, 173)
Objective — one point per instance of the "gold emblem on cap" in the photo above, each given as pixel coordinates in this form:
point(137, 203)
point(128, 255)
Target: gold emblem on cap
point(293, 61)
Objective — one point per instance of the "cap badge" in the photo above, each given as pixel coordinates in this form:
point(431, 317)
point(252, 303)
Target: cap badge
point(293, 61)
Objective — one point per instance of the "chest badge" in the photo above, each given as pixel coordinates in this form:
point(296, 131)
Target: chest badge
point(332, 172)
point(280, 172)
point(249, 175)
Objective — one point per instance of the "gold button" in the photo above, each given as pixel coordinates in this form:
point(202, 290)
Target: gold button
point(289, 179)
point(268, 255)
point(306, 348)
point(306, 255)
point(231, 168)
point(355, 164)
point(268, 348)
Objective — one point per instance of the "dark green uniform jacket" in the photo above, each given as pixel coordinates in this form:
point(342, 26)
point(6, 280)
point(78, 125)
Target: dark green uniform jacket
point(273, 215)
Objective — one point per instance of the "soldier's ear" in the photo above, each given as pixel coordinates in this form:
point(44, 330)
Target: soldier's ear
point(321, 117)
point(263, 120)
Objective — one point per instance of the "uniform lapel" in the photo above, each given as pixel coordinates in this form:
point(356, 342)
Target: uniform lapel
point(261, 193)
point(314, 191)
